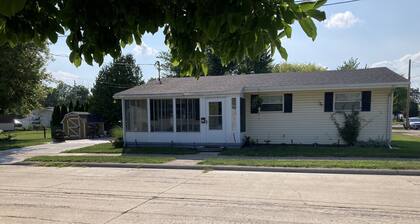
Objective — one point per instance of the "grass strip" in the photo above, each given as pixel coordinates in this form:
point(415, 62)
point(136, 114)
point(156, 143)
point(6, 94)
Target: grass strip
point(108, 148)
point(359, 164)
point(99, 148)
point(404, 147)
point(100, 159)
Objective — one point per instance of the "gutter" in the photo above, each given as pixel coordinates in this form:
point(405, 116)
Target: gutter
point(324, 87)
point(264, 89)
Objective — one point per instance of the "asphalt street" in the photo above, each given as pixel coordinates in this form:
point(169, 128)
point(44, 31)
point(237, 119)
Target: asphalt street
point(121, 195)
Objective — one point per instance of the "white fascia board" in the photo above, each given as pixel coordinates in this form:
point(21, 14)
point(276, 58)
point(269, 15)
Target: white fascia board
point(264, 89)
point(325, 87)
point(166, 95)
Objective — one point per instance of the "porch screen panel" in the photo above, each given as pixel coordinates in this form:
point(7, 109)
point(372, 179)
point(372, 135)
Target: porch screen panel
point(187, 115)
point(136, 115)
point(161, 115)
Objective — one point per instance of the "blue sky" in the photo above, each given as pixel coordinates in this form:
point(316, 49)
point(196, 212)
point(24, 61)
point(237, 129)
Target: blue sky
point(378, 32)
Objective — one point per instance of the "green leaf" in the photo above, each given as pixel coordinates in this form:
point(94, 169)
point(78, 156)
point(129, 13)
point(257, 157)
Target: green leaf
point(88, 58)
point(98, 57)
point(75, 58)
point(283, 52)
point(319, 3)
point(53, 37)
point(288, 31)
point(305, 6)
point(204, 68)
point(316, 14)
point(11, 7)
point(308, 26)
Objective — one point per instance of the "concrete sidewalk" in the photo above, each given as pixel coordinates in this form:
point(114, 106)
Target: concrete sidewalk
point(19, 154)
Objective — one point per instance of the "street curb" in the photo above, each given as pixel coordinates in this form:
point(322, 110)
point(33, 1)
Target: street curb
point(242, 168)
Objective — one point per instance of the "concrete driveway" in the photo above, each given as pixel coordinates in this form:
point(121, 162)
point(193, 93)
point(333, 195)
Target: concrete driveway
point(111, 195)
point(19, 154)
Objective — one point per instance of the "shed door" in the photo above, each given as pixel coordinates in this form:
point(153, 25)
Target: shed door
point(73, 125)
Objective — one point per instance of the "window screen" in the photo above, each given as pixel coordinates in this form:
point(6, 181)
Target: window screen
point(187, 115)
point(161, 115)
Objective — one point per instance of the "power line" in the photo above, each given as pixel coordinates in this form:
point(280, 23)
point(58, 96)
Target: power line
point(333, 3)
point(339, 3)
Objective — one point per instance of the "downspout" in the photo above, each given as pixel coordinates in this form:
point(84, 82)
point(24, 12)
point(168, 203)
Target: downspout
point(389, 119)
point(123, 121)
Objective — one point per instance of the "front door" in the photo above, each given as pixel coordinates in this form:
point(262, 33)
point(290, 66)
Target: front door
point(215, 121)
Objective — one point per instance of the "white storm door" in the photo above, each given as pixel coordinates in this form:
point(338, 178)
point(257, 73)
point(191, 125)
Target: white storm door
point(215, 121)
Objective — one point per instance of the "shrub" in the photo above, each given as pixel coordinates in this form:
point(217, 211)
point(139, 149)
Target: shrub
point(350, 130)
point(118, 142)
point(117, 137)
point(116, 132)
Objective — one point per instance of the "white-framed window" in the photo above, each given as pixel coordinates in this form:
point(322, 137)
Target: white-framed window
point(347, 101)
point(272, 103)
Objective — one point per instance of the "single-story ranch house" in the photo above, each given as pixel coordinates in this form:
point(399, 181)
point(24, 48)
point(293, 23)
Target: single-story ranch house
point(291, 108)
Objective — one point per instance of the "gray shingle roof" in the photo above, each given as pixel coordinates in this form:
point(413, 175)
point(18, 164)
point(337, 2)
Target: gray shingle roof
point(271, 81)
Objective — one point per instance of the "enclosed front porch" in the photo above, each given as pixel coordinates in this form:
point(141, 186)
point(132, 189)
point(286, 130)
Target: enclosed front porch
point(192, 121)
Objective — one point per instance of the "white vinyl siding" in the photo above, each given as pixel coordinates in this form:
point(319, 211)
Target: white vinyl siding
point(308, 123)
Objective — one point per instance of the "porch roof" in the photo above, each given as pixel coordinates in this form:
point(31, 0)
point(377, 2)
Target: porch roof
point(290, 81)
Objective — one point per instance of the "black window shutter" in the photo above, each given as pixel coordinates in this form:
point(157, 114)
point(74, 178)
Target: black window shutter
point(328, 102)
point(288, 103)
point(366, 100)
point(254, 106)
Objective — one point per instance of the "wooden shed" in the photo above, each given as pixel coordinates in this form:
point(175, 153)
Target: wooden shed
point(77, 125)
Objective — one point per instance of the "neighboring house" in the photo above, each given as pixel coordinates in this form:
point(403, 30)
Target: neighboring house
point(7, 123)
point(38, 118)
point(273, 108)
point(78, 125)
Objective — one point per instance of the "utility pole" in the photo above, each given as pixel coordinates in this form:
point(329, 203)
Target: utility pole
point(157, 64)
point(407, 105)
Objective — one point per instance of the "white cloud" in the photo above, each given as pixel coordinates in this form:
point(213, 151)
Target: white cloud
point(144, 50)
point(400, 66)
point(64, 76)
point(341, 20)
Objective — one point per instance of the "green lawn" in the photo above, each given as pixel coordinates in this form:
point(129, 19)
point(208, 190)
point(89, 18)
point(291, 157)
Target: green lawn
point(100, 148)
point(46, 160)
point(404, 147)
point(161, 150)
point(25, 138)
point(108, 148)
point(360, 164)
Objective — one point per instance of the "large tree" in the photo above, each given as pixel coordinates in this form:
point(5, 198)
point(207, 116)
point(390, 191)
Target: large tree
point(350, 64)
point(232, 29)
point(22, 77)
point(299, 67)
point(261, 64)
point(64, 94)
point(400, 99)
point(121, 74)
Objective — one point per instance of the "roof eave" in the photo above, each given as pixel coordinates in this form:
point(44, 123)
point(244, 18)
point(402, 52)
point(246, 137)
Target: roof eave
point(161, 95)
point(325, 87)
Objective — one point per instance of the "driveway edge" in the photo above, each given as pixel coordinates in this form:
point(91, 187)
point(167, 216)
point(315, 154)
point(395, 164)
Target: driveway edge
point(242, 168)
